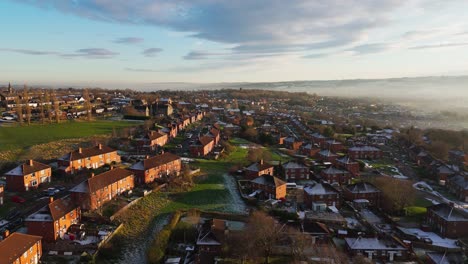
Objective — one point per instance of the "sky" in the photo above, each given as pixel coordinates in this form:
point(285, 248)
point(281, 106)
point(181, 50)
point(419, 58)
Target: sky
point(114, 42)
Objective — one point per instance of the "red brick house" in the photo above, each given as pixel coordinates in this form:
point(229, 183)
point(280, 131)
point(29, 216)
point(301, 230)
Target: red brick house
point(28, 176)
point(152, 168)
point(348, 164)
point(458, 157)
point(319, 139)
point(90, 158)
point(257, 169)
point(292, 143)
point(319, 196)
point(334, 175)
point(295, 171)
point(364, 152)
point(214, 133)
point(269, 187)
point(152, 141)
point(53, 220)
point(458, 185)
point(363, 191)
point(334, 146)
point(202, 147)
point(443, 173)
point(310, 150)
point(20, 248)
point(448, 220)
point(97, 190)
point(327, 156)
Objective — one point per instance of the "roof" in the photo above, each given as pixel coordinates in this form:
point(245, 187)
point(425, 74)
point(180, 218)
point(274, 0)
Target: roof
point(333, 170)
point(87, 152)
point(269, 180)
point(155, 161)
point(362, 187)
point(364, 148)
point(361, 243)
point(449, 213)
point(205, 140)
point(155, 135)
point(15, 245)
point(346, 160)
point(327, 153)
point(27, 168)
point(460, 181)
point(259, 167)
point(102, 180)
point(320, 189)
point(61, 207)
point(446, 257)
point(293, 165)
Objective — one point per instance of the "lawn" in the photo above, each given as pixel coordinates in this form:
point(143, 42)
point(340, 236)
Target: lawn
point(15, 137)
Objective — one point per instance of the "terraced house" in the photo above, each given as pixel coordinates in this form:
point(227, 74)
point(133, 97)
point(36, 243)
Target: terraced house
point(53, 220)
point(19, 248)
point(152, 140)
point(90, 158)
point(27, 176)
point(152, 168)
point(97, 190)
point(202, 147)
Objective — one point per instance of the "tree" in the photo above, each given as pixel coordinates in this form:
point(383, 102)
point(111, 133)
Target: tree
point(19, 110)
point(26, 105)
point(57, 109)
point(328, 132)
point(41, 109)
point(439, 149)
point(257, 154)
point(250, 133)
point(396, 194)
point(88, 106)
point(264, 232)
point(47, 106)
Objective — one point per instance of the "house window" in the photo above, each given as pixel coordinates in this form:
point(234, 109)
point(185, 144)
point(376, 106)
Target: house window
point(42, 172)
point(79, 161)
point(34, 183)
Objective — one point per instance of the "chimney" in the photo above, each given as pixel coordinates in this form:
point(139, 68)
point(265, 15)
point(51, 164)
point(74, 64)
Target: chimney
point(80, 150)
point(6, 233)
point(100, 146)
point(30, 162)
point(147, 157)
point(261, 161)
point(51, 199)
point(92, 174)
point(111, 167)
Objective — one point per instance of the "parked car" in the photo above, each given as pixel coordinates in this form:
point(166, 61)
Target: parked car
point(60, 188)
point(12, 215)
point(17, 199)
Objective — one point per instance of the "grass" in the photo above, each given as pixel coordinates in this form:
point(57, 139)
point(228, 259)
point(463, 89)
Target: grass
point(15, 137)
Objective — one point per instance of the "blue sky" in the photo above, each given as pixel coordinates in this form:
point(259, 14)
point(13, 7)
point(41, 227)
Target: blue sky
point(109, 42)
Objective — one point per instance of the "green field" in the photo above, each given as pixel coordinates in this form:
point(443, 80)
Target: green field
point(15, 137)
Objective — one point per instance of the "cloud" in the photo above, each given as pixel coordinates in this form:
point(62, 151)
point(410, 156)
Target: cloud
point(370, 48)
point(29, 51)
point(273, 27)
point(151, 52)
point(92, 53)
point(202, 55)
point(129, 40)
point(438, 46)
point(140, 70)
point(316, 56)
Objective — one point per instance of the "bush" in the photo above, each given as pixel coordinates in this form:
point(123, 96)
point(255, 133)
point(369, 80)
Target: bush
point(157, 249)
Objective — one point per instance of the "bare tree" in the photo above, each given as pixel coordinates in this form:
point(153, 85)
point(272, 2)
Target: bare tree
point(19, 109)
point(41, 108)
point(48, 105)
point(56, 109)
point(88, 106)
point(26, 103)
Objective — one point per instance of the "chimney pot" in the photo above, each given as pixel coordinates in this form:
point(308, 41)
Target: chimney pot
point(30, 162)
point(100, 146)
point(261, 161)
point(92, 174)
point(51, 199)
point(6, 233)
point(112, 167)
point(80, 150)
point(147, 157)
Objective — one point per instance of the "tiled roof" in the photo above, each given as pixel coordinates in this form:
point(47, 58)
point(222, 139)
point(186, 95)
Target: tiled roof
point(27, 168)
point(449, 213)
point(364, 148)
point(61, 207)
point(293, 165)
point(157, 161)
point(15, 245)
point(155, 135)
point(259, 167)
point(107, 178)
point(269, 180)
point(205, 140)
point(87, 152)
point(320, 189)
point(333, 170)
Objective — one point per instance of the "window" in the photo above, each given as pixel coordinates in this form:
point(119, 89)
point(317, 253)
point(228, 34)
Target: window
point(33, 183)
point(42, 172)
